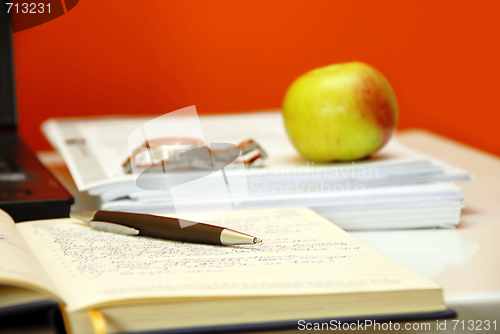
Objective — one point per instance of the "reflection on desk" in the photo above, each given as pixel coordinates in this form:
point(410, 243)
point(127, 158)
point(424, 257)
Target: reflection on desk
point(427, 251)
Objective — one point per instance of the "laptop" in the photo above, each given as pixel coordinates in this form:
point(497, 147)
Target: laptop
point(28, 191)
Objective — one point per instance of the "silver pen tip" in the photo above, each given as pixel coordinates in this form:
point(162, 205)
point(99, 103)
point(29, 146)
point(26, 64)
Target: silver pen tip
point(257, 240)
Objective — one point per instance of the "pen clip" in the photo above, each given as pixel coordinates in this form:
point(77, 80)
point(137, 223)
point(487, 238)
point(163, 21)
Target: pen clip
point(113, 228)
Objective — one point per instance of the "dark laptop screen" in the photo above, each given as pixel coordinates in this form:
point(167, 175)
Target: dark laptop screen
point(8, 117)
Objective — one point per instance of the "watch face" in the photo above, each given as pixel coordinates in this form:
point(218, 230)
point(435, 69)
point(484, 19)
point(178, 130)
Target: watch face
point(165, 150)
point(174, 154)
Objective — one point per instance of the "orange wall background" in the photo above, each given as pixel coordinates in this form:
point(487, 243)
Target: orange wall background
point(156, 56)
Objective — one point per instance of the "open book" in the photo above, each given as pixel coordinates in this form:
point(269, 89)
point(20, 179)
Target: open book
point(306, 268)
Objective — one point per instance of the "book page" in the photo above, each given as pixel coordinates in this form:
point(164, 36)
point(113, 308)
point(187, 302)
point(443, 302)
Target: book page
point(301, 253)
point(18, 266)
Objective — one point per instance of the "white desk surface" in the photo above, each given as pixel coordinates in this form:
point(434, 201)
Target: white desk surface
point(464, 261)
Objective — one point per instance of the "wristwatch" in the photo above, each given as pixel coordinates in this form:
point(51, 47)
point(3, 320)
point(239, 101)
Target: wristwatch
point(189, 153)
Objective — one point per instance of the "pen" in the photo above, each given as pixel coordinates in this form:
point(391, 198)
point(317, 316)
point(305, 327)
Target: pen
point(168, 228)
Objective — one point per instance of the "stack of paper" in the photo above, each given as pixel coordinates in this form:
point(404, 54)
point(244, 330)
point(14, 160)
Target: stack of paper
point(395, 188)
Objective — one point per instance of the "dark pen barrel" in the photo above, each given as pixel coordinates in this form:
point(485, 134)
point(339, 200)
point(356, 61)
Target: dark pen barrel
point(164, 227)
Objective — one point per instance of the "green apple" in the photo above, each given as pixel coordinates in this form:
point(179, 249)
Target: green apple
point(340, 112)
